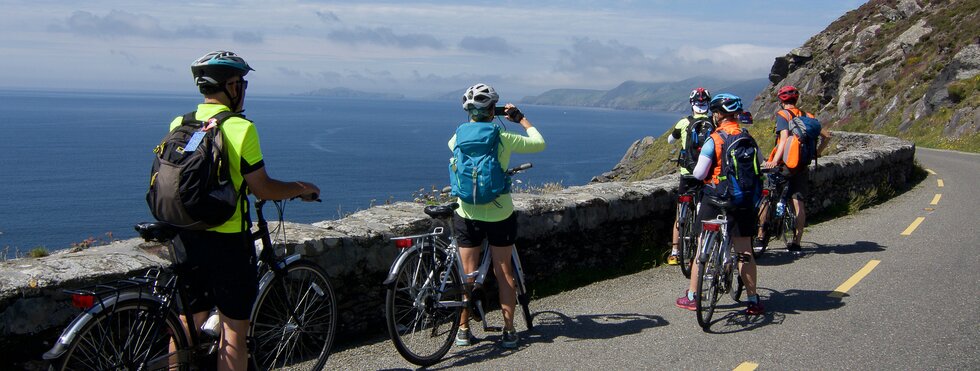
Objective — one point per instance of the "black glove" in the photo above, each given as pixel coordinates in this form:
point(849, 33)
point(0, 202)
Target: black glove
point(515, 115)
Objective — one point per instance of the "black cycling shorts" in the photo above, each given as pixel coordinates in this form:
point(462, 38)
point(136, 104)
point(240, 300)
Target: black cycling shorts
point(219, 270)
point(799, 185)
point(471, 233)
point(743, 222)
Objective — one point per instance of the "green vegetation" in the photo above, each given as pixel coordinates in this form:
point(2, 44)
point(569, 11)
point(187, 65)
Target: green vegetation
point(38, 252)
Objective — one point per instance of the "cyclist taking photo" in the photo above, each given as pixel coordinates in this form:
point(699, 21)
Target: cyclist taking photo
point(221, 261)
point(699, 113)
point(798, 180)
point(493, 221)
point(741, 221)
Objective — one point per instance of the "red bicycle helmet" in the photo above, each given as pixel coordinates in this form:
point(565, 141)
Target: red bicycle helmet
point(700, 95)
point(788, 94)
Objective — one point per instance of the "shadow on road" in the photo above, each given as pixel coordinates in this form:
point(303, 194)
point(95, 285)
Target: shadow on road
point(549, 326)
point(780, 256)
point(778, 306)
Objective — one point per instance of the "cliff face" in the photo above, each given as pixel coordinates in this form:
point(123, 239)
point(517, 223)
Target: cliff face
point(908, 68)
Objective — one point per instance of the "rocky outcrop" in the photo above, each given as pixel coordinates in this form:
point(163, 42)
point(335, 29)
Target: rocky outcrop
point(594, 227)
point(888, 66)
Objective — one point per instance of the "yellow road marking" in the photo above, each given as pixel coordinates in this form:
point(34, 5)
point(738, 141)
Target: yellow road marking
point(940, 181)
point(847, 285)
point(915, 224)
point(935, 200)
point(746, 366)
point(930, 171)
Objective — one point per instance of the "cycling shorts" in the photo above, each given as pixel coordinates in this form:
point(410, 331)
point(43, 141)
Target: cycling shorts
point(799, 185)
point(743, 222)
point(471, 233)
point(219, 270)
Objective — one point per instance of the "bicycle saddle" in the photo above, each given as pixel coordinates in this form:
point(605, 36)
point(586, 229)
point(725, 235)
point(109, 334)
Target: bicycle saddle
point(156, 231)
point(441, 211)
point(723, 204)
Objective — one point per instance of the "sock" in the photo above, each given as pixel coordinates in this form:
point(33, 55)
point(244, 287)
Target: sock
point(754, 299)
point(690, 295)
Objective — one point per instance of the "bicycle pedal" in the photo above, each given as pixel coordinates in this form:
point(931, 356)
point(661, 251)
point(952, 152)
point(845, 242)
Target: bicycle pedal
point(493, 329)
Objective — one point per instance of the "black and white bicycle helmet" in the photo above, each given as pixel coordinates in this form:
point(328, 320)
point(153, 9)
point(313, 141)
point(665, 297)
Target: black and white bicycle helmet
point(214, 68)
point(479, 96)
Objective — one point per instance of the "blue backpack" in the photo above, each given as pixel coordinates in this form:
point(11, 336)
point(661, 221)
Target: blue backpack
point(475, 172)
point(740, 180)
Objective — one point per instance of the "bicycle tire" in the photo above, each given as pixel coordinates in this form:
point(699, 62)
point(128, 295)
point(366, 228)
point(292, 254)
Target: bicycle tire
point(737, 286)
point(294, 322)
point(688, 239)
point(421, 332)
point(114, 328)
point(709, 277)
point(788, 223)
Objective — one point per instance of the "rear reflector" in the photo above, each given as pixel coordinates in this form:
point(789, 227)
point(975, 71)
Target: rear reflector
point(403, 243)
point(684, 198)
point(82, 301)
point(765, 192)
point(712, 227)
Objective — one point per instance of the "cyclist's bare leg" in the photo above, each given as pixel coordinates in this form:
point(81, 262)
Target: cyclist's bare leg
point(676, 237)
point(800, 220)
point(504, 272)
point(233, 350)
point(763, 215)
point(746, 263)
point(695, 268)
point(471, 260)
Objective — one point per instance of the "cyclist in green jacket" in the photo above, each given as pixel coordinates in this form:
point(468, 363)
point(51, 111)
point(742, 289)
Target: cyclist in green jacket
point(494, 221)
point(699, 110)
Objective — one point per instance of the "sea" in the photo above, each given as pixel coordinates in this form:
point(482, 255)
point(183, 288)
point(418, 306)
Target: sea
point(75, 166)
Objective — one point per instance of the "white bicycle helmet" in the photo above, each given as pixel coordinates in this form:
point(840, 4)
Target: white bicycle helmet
point(479, 96)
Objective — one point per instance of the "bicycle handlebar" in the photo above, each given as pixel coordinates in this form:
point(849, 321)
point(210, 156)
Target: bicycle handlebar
point(519, 168)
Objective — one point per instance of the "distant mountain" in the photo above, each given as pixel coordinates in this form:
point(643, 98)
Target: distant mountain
point(349, 93)
point(658, 96)
point(454, 95)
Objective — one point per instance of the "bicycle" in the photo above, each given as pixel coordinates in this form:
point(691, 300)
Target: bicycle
point(775, 224)
point(687, 219)
point(718, 273)
point(426, 289)
point(135, 324)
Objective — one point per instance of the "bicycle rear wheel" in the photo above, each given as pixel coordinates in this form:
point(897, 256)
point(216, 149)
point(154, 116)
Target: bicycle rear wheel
point(709, 280)
point(295, 319)
point(421, 329)
point(688, 239)
point(127, 337)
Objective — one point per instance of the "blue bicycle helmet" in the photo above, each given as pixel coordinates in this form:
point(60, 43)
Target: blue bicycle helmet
point(213, 69)
point(725, 103)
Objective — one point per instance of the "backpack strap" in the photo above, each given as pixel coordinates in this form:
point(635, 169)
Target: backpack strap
point(716, 169)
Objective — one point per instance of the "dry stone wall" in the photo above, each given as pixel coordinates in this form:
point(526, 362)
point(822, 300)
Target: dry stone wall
point(592, 227)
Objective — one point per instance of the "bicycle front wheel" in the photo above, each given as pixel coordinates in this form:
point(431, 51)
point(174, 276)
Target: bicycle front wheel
point(422, 318)
point(295, 319)
point(688, 239)
point(709, 280)
point(766, 208)
point(128, 336)
point(788, 223)
point(523, 297)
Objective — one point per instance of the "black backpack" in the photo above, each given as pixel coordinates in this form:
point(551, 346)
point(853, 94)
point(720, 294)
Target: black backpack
point(739, 181)
point(190, 183)
point(698, 130)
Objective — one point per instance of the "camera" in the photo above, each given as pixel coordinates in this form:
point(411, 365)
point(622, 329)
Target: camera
point(499, 111)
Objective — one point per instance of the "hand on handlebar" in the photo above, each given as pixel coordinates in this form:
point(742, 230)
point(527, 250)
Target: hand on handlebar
point(769, 164)
point(310, 192)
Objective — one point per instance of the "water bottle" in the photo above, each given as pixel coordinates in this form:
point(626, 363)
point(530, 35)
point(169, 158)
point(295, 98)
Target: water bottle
point(212, 327)
point(780, 208)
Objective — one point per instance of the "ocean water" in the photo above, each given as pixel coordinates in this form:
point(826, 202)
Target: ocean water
point(76, 165)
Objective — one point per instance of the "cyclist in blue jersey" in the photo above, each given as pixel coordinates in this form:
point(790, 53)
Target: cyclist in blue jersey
point(742, 222)
point(221, 261)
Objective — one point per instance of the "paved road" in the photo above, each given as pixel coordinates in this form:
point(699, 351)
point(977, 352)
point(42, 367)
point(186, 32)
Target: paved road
point(918, 308)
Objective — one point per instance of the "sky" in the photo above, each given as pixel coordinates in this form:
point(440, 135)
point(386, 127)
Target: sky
point(413, 48)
